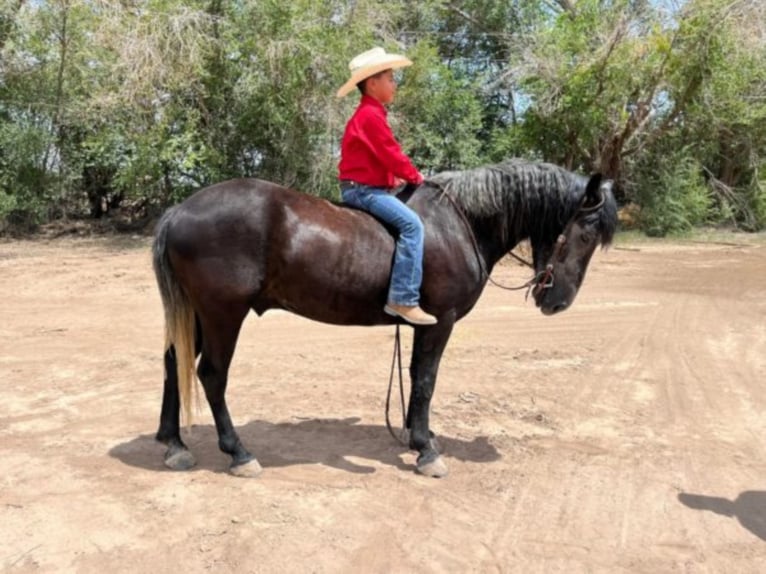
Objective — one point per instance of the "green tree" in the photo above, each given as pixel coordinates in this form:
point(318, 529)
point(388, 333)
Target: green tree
point(609, 82)
point(726, 123)
point(137, 104)
point(443, 114)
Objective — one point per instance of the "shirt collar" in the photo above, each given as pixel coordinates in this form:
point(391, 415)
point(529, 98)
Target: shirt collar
point(370, 101)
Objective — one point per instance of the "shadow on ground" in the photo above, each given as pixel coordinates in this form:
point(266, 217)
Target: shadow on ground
point(749, 508)
point(315, 441)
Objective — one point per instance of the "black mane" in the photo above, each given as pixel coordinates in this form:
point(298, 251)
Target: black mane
point(522, 192)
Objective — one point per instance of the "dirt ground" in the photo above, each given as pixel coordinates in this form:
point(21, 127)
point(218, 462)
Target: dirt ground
point(627, 434)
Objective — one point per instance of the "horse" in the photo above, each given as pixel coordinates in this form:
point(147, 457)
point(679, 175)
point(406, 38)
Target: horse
point(249, 244)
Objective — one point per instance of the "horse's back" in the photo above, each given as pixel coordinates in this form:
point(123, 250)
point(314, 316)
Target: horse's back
point(255, 204)
point(250, 239)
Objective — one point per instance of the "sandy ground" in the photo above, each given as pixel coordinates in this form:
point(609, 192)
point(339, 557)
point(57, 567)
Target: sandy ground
point(625, 435)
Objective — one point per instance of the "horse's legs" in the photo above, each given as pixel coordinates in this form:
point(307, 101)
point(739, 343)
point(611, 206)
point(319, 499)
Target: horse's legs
point(178, 456)
point(428, 346)
point(220, 329)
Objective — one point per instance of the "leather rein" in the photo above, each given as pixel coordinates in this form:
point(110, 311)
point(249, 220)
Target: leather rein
point(540, 280)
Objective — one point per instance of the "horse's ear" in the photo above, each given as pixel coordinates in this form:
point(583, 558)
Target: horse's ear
point(593, 189)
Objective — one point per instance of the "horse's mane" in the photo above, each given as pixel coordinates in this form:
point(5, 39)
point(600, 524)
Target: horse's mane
point(536, 198)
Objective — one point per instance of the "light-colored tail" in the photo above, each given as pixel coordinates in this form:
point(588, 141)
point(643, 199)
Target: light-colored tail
point(179, 316)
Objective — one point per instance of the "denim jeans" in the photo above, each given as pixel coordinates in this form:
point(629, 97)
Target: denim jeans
point(407, 270)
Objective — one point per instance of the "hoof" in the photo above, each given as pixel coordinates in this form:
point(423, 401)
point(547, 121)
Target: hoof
point(435, 468)
point(181, 459)
point(250, 469)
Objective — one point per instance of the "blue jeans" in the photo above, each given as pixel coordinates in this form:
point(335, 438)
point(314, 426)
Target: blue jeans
point(407, 270)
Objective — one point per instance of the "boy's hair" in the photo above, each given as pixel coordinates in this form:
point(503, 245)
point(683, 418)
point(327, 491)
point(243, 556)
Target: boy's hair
point(362, 85)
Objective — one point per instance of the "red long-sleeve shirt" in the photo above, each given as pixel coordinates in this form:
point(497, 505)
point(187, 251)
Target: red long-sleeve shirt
point(369, 152)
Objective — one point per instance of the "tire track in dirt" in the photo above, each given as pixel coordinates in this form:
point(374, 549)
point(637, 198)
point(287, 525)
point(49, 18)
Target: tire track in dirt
point(660, 395)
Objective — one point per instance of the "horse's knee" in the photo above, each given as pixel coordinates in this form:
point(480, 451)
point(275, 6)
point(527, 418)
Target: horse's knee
point(426, 392)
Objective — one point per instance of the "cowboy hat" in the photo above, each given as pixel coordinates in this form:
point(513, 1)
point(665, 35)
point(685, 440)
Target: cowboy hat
point(370, 63)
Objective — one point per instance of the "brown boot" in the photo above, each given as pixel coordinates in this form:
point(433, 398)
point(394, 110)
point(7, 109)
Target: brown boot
point(413, 315)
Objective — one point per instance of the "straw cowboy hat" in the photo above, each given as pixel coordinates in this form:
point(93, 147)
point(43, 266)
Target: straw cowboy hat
point(370, 63)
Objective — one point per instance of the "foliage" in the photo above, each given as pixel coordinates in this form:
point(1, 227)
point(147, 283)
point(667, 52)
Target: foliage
point(136, 104)
point(23, 175)
point(686, 199)
point(725, 123)
point(447, 109)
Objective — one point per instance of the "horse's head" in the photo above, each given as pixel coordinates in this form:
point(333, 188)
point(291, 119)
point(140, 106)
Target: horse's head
point(561, 260)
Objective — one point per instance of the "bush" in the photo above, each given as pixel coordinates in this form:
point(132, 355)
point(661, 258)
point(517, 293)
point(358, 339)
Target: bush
point(7, 204)
point(752, 214)
point(674, 196)
point(755, 218)
point(23, 177)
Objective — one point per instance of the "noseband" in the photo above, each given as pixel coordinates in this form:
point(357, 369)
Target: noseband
point(544, 279)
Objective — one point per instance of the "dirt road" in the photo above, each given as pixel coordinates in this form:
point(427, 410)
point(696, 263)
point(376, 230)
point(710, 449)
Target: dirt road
point(625, 435)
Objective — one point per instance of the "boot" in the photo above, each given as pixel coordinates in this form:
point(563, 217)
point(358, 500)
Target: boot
point(413, 315)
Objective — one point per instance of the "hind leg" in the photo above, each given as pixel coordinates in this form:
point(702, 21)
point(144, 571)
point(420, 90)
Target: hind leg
point(178, 456)
point(221, 329)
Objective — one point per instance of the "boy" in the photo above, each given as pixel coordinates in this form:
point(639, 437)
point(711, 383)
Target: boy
point(372, 163)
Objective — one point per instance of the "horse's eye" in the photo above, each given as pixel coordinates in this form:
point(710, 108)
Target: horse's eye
point(585, 237)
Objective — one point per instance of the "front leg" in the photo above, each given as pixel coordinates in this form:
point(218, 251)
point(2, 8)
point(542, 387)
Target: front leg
point(428, 346)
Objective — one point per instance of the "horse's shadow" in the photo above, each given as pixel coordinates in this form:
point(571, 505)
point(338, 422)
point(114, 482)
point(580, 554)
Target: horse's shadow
point(328, 442)
point(749, 508)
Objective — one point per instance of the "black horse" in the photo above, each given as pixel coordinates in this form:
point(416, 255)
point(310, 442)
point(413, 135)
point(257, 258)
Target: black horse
point(249, 244)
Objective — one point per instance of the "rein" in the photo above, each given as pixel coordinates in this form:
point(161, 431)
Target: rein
point(397, 359)
point(542, 280)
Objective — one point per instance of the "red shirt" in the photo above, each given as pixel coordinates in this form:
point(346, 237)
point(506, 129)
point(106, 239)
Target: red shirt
point(369, 152)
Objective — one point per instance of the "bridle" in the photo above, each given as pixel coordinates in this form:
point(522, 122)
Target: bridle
point(543, 279)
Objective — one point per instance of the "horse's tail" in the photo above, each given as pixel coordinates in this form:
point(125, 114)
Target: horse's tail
point(179, 315)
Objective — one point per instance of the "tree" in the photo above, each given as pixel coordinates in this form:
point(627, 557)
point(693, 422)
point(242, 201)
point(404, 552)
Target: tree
point(437, 115)
point(138, 103)
point(726, 123)
point(610, 81)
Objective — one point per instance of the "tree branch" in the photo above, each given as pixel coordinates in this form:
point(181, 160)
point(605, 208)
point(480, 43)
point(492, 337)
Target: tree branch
point(617, 36)
point(465, 15)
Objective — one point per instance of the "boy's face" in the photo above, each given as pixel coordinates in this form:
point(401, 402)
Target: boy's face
point(382, 87)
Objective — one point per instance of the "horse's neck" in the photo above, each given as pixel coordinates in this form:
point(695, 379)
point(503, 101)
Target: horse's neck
point(491, 242)
point(497, 235)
